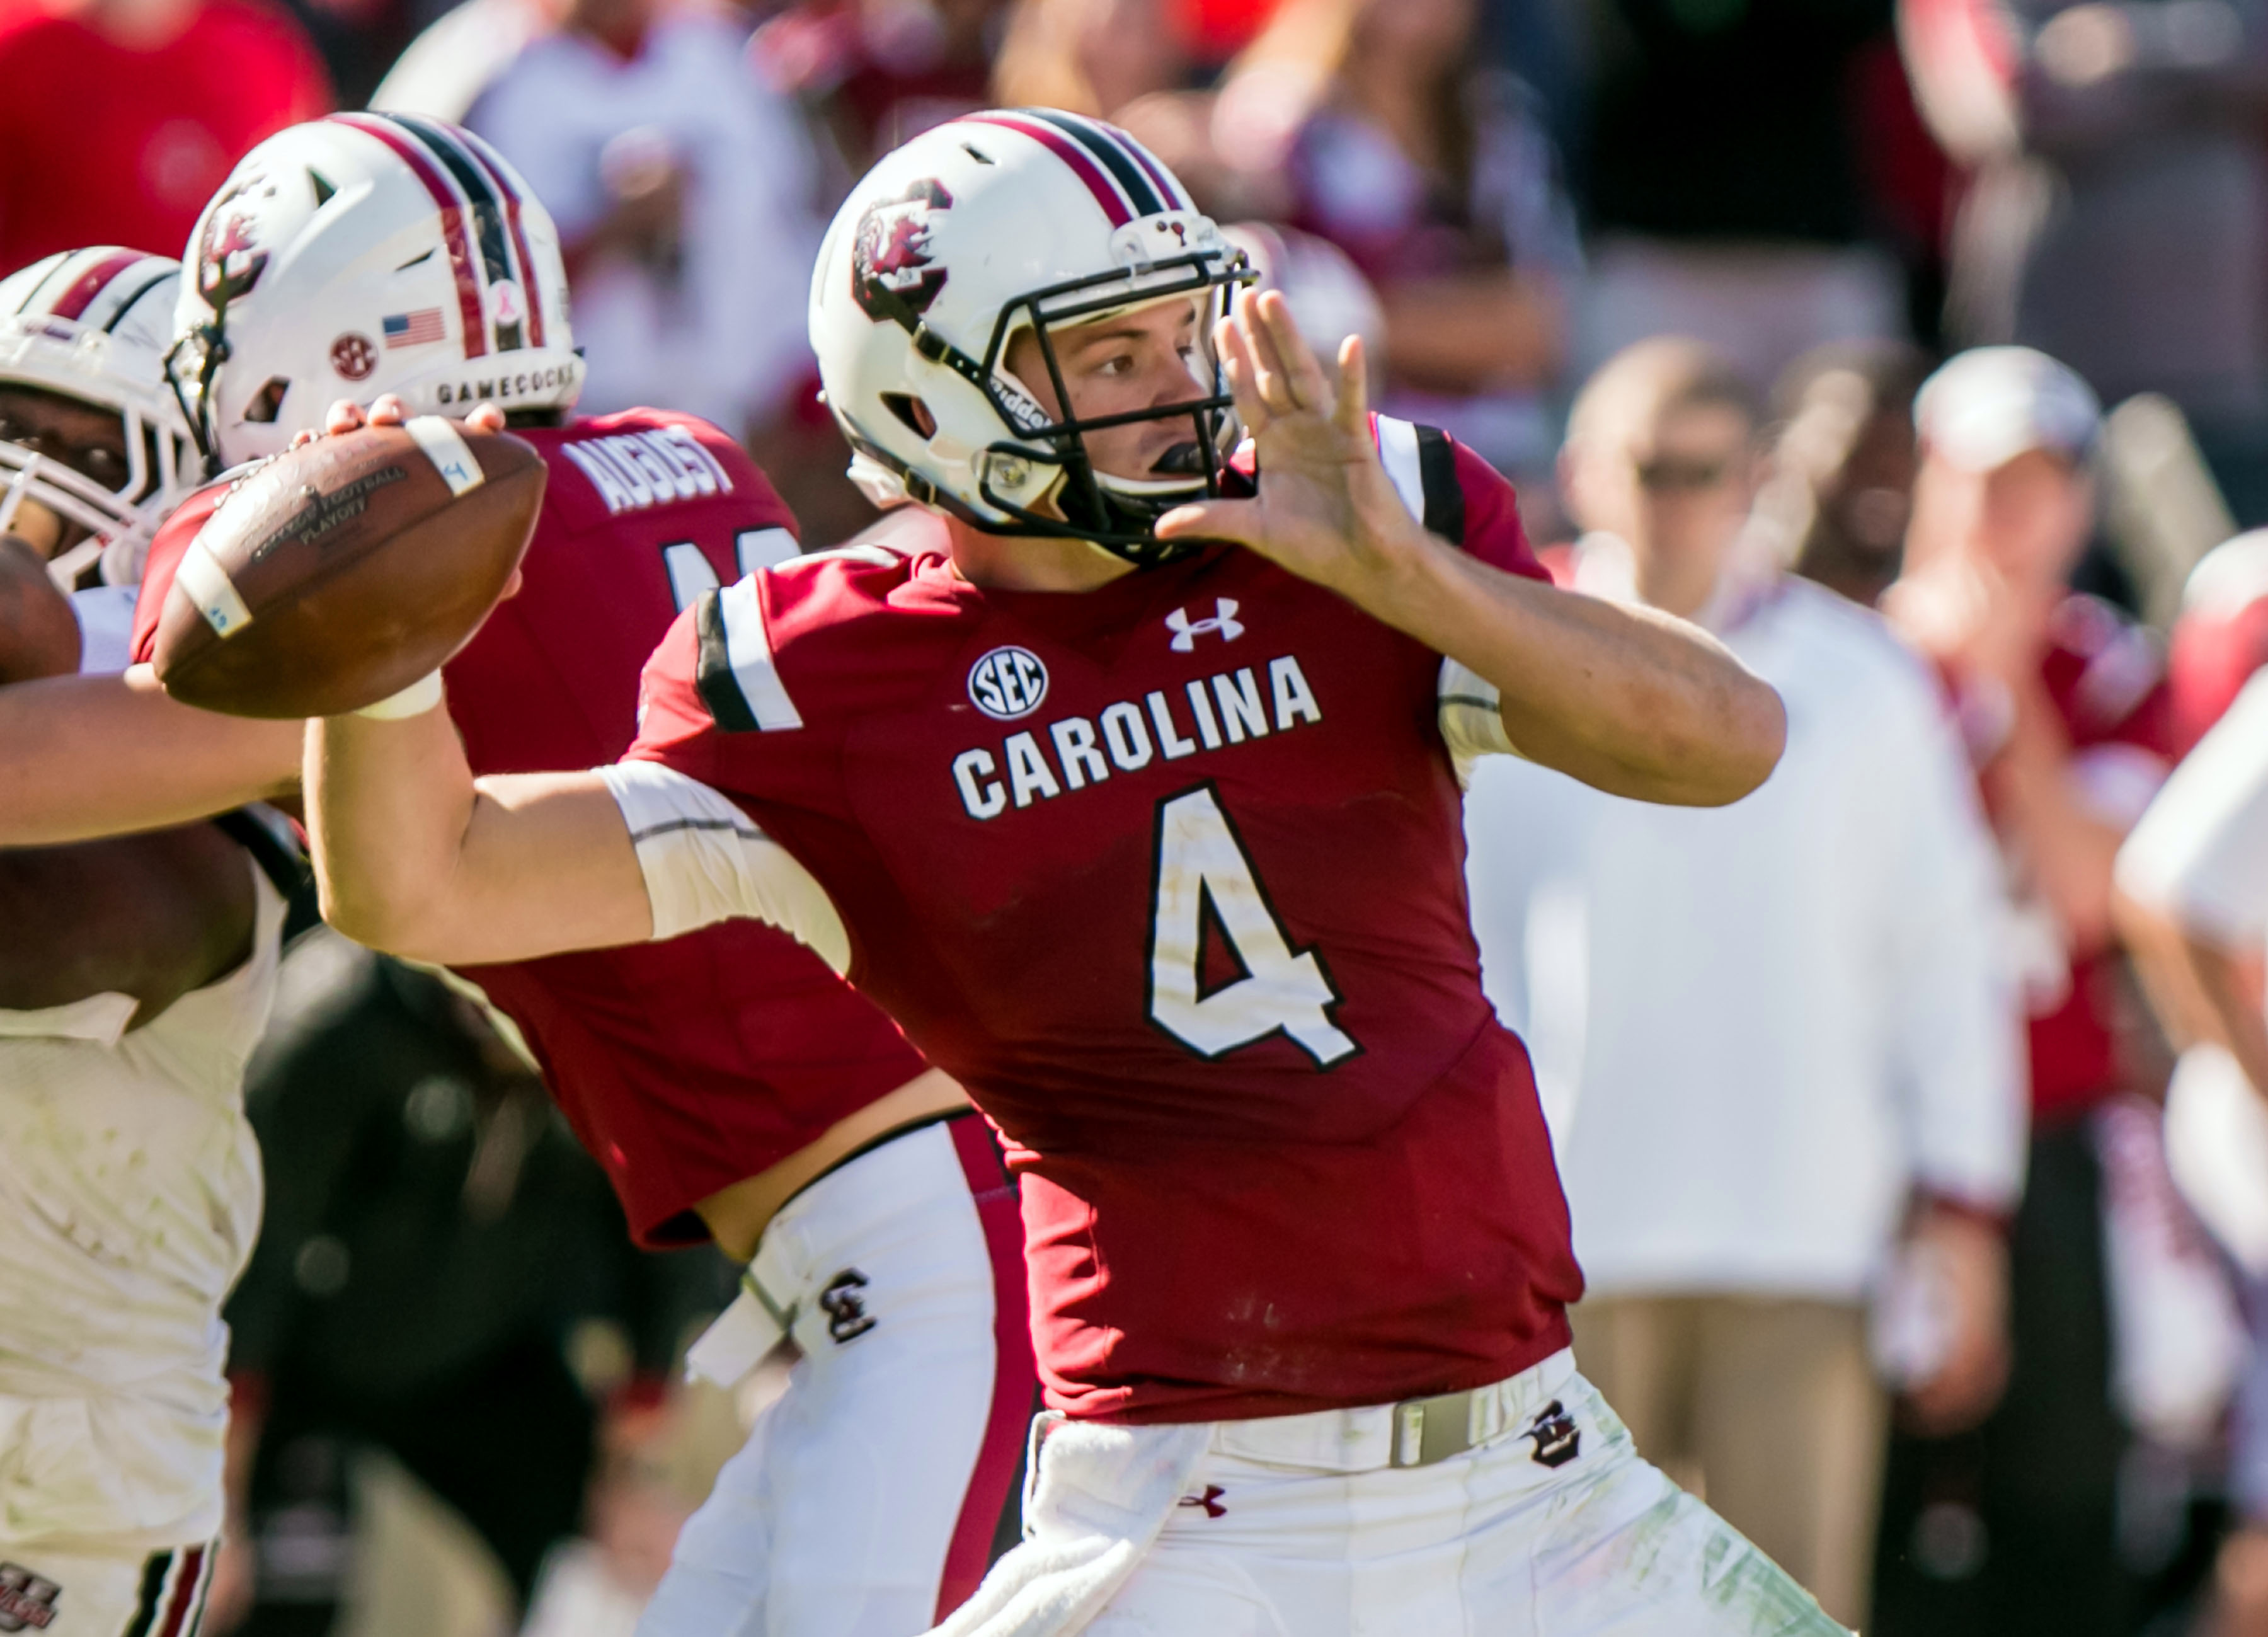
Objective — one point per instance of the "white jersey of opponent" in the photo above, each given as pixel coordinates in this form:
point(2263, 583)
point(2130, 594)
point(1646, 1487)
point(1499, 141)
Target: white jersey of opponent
point(129, 1196)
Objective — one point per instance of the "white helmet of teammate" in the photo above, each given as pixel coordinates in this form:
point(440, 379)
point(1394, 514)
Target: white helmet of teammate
point(366, 254)
point(975, 231)
point(92, 326)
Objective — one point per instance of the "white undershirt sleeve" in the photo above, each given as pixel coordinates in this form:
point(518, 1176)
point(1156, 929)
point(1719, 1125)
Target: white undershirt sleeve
point(704, 861)
point(2201, 850)
point(1472, 718)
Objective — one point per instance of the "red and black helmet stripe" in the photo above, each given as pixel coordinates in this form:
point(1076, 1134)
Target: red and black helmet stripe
point(1125, 181)
point(480, 191)
point(500, 173)
point(412, 152)
point(91, 275)
point(1107, 194)
point(79, 294)
point(133, 300)
point(1118, 157)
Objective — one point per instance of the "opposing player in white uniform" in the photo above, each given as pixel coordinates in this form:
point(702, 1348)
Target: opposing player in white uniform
point(135, 978)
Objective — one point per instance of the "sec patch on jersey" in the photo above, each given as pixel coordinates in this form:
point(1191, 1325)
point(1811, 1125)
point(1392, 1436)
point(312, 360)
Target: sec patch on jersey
point(342, 572)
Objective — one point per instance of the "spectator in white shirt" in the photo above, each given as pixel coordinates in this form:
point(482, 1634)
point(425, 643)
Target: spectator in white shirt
point(684, 191)
point(1774, 1038)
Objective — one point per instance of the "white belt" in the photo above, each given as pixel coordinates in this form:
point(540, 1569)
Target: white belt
point(744, 1333)
point(1417, 1432)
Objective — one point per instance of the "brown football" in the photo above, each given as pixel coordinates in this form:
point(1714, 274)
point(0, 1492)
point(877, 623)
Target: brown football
point(339, 573)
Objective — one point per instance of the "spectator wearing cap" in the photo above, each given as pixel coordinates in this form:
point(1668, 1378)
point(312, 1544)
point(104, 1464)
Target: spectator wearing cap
point(1773, 1040)
point(2063, 708)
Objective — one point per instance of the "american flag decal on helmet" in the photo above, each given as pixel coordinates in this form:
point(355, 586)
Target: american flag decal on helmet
point(413, 329)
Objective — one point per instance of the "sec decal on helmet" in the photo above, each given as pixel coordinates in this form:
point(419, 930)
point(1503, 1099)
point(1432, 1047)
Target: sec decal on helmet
point(983, 229)
point(366, 254)
point(92, 326)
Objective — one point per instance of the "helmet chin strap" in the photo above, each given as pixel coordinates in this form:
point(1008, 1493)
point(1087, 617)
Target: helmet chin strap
point(202, 427)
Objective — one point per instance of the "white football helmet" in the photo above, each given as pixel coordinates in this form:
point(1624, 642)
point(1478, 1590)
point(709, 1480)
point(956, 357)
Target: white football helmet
point(366, 254)
point(978, 228)
point(91, 325)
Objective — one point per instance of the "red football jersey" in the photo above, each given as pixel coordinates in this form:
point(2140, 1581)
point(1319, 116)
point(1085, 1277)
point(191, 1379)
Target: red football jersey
point(1170, 875)
point(683, 1067)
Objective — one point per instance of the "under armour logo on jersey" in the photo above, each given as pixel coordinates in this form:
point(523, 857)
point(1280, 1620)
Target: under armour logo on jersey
point(25, 1599)
point(1186, 630)
point(1557, 1439)
point(1209, 1500)
point(847, 1318)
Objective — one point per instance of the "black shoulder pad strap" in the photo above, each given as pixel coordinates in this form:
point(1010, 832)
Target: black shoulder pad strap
point(1444, 496)
point(712, 675)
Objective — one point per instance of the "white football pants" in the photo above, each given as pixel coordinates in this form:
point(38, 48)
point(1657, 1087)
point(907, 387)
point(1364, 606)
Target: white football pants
point(868, 1499)
point(1298, 1526)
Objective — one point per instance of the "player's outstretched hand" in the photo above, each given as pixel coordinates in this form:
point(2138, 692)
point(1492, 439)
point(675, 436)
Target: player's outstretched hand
point(1325, 509)
point(386, 410)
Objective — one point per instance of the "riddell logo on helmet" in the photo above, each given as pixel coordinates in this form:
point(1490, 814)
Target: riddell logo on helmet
point(890, 260)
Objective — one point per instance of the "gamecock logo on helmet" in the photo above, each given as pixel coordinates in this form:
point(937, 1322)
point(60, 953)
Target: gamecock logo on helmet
point(228, 265)
point(891, 260)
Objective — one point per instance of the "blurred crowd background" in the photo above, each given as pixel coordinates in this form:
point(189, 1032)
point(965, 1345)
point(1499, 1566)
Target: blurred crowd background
point(1901, 1249)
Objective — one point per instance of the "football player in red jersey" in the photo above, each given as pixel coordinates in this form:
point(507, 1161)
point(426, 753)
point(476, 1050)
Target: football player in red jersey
point(731, 1085)
point(1165, 866)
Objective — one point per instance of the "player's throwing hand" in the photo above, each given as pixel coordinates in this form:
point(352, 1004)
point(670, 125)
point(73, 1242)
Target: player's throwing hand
point(1325, 509)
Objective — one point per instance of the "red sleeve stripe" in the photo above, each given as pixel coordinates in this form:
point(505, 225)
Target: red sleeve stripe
point(82, 291)
point(530, 285)
point(1114, 207)
point(452, 222)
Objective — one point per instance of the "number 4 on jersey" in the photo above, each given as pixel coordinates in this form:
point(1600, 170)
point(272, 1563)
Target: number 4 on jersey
point(1201, 861)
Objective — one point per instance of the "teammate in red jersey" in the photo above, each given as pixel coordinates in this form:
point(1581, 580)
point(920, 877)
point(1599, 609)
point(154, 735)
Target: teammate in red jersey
point(731, 1085)
point(1163, 866)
